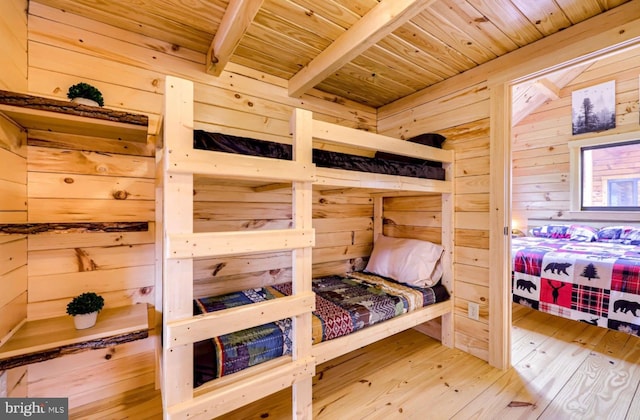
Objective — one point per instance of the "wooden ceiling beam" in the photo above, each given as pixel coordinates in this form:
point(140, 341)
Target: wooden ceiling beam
point(548, 88)
point(529, 96)
point(234, 24)
point(380, 21)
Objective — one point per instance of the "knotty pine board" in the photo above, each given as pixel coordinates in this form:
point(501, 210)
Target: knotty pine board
point(73, 260)
point(123, 297)
point(13, 169)
point(44, 159)
point(80, 238)
point(12, 284)
point(74, 186)
point(12, 314)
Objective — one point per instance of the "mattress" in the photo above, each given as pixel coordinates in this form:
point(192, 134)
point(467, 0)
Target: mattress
point(593, 282)
point(322, 158)
point(344, 304)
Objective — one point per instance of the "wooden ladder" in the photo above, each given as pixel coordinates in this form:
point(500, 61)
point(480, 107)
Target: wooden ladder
point(179, 162)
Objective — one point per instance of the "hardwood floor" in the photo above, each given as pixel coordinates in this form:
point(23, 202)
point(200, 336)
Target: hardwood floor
point(562, 369)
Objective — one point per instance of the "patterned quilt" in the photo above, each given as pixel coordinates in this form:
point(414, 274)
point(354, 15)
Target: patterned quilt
point(594, 282)
point(344, 304)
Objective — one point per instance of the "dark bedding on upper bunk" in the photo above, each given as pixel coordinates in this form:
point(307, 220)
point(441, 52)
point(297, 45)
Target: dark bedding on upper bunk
point(344, 304)
point(595, 282)
point(382, 164)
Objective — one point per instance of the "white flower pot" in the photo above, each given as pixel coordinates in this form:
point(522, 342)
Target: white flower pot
point(84, 321)
point(85, 101)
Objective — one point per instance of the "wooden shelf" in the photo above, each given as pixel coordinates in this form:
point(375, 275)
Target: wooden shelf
point(36, 113)
point(46, 339)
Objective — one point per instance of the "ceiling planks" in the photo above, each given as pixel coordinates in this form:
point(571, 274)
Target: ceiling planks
point(370, 51)
point(371, 28)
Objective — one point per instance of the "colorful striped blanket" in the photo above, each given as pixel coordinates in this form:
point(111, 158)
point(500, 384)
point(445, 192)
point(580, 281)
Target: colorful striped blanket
point(344, 304)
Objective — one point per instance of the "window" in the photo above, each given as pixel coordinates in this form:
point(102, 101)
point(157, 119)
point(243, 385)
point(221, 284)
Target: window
point(622, 193)
point(605, 174)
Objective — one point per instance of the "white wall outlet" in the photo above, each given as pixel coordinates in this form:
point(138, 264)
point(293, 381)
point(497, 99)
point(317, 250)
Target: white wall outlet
point(473, 310)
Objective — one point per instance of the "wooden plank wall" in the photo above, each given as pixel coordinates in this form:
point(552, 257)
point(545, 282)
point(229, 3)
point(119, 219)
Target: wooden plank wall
point(540, 141)
point(13, 48)
point(342, 219)
point(13, 188)
point(13, 247)
point(461, 113)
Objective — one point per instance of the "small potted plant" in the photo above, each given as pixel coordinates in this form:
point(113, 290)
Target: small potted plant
point(84, 308)
point(84, 93)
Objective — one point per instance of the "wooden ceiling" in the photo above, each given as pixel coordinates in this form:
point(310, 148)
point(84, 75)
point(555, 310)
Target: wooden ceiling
point(370, 51)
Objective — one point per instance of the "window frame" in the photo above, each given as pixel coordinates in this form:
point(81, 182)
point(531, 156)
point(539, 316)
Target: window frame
point(575, 168)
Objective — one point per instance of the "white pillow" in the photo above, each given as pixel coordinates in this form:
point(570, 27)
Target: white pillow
point(410, 261)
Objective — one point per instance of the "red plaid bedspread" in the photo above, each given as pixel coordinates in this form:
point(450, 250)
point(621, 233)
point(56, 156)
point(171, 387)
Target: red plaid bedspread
point(593, 282)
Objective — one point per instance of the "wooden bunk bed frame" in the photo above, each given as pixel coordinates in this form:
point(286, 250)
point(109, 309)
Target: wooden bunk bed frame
point(177, 164)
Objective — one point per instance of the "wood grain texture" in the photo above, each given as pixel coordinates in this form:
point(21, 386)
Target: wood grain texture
point(398, 376)
point(440, 40)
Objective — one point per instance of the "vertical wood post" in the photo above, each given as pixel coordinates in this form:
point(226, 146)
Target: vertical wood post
point(177, 364)
point(301, 125)
point(448, 243)
point(500, 228)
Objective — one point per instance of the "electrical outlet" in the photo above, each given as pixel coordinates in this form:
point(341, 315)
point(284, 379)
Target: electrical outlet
point(473, 310)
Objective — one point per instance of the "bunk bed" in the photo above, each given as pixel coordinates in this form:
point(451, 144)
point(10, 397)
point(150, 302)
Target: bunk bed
point(585, 271)
point(181, 329)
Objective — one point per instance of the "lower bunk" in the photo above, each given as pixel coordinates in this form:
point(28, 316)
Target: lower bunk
point(352, 311)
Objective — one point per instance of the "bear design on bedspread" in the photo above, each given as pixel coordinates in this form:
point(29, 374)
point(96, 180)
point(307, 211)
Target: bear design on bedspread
point(560, 268)
point(625, 306)
point(595, 283)
point(525, 285)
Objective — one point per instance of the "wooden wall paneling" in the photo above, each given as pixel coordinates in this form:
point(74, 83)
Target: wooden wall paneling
point(12, 315)
point(13, 170)
point(213, 192)
point(80, 238)
point(12, 137)
point(472, 274)
point(13, 283)
point(63, 210)
point(472, 336)
point(57, 307)
point(140, 99)
point(219, 267)
point(87, 142)
point(154, 55)
point(227, 284)
point(13, 264)
point(70, 284)
point(44, 159)
point(107, 268)
point(472, 228)
point(106, 373)
point(354, 237)
point(13, 196)
point(13, 32)
point(13, 206)
point(540, 151)
point(101, 170)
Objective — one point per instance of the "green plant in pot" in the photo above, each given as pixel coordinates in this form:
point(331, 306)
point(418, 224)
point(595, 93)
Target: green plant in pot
point(83, 92)
point(84, 308)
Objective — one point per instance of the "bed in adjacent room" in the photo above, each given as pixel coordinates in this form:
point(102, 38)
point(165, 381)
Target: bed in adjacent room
point(582, 273)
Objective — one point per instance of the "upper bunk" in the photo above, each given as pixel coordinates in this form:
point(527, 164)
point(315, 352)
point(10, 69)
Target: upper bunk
point(223, 156)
